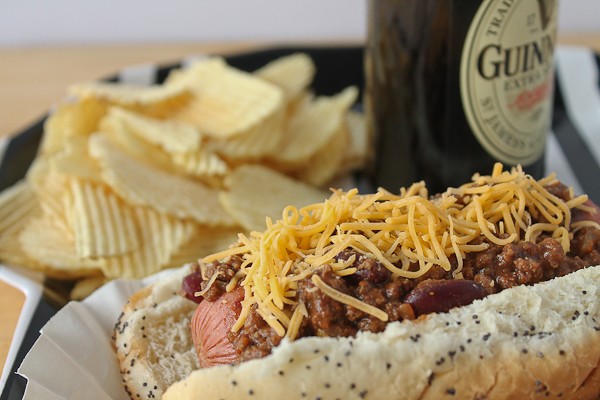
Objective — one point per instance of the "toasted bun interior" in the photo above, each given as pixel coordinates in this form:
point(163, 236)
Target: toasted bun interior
point(540, 341)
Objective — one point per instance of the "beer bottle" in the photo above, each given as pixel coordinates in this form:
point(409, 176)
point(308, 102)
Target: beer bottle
point(453, 86)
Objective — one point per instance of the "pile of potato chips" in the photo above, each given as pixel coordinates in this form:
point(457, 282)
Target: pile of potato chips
point(133, 179)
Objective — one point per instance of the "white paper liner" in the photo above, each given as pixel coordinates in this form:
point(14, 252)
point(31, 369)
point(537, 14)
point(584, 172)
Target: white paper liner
point(73, 358)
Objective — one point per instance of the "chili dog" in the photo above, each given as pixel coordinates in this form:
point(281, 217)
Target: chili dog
point(360, 308)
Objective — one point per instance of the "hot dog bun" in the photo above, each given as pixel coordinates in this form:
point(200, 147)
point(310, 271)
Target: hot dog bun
point(153, 340)
point(527, 342)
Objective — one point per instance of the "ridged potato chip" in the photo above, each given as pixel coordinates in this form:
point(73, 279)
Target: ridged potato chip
point(172, 136)
point(145, 185)
point(84, 287)
point(103, 225)
point(134, 145)
point(292, 73)
point(256, 192)
point(205, 241)
point(157, 101)
point(196, 161)
point(325, 165)
point(74, 160)
point(49, 188)
point(202, 163)
point(133, 179)
point(161, 238)
point(126, 94)
point(357, 151)
point(17, 203)
point(18, 206)
point(71, 119)
point(226, 102)
point(53, 252)
point(257, 143)
point(13, 254)
point(311, 127)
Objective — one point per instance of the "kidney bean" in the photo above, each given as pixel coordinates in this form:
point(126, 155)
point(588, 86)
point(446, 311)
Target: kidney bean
point(578, 215)
point(190, 285)
point(433, 296)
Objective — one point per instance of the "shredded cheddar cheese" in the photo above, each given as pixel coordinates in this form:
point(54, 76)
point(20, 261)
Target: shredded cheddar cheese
point(407, 233)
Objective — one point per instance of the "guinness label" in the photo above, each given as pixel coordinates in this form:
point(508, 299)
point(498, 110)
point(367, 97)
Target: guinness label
point(507, 77)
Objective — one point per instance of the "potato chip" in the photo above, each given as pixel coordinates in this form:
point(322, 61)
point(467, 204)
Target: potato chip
point(257, 143)
point(226, 102)
point(325, 164)
point(292, 73)
point(145, 185)
point(13, 254)
point(161, 238)
point(38, 171)
point(17, 203)
point(126, 94)
point(255, 192)
point(205, 241)
point(358, 148)
point(70, 119)
point(312, 126)
point(74, 160)
point(185, 154)
point(84, 287)
point(49, 188)
point(18, 206)
point(135, 146)
point(53, 252)
point(202, 164)
point(157, 101)
point(172, 136)
point(102, 224)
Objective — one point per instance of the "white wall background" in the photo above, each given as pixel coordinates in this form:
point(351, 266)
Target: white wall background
point(42, 22)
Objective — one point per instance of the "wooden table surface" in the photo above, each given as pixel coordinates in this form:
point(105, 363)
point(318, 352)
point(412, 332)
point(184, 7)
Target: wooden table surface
point(33, 79)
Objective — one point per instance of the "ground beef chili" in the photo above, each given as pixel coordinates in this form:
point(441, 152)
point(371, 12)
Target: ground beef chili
point(198, 280)
point(494, 269)
point(485, 272)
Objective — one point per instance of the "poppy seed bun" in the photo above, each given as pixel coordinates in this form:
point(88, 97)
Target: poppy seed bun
point(527, 342)
point(153, 339)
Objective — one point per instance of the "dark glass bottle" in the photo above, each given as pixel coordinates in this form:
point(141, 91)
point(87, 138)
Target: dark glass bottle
point(454, 86)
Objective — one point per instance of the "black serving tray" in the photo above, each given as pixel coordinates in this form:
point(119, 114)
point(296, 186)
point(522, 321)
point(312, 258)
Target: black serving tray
point(337, 68)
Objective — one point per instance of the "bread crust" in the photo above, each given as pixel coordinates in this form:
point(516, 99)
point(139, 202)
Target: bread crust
point(152, 338)
point(536, 342)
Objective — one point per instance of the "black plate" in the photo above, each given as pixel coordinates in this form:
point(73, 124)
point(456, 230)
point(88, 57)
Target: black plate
point(337, 68)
